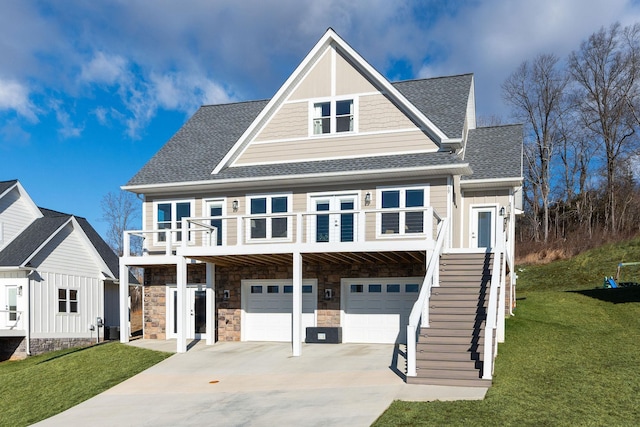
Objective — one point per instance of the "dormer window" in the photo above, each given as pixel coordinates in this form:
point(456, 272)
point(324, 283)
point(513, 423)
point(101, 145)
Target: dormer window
point(333, 117)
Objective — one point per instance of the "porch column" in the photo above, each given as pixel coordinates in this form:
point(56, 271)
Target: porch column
point(124, 302)
point(181, 312)
point(297, 304)
point(211, 303)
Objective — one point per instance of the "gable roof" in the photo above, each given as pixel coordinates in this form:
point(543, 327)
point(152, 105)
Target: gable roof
point(5, 185)
point(24, 246)
point(495, 152)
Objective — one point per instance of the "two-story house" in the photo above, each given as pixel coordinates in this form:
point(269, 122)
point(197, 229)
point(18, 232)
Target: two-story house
point(331, 212)
point(57, 277)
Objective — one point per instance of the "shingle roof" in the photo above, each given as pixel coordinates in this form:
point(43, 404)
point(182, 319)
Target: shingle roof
point(443, 100)
point(24, 245)
point(495, 152)
point(195, 150)
point(4, 185)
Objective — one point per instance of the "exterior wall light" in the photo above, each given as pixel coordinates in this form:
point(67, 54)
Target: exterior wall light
point(502, 211)
point(235, 205)
point(367, 199)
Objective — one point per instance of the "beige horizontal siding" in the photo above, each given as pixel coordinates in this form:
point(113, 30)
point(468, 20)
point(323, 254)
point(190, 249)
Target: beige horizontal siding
point(332, 147)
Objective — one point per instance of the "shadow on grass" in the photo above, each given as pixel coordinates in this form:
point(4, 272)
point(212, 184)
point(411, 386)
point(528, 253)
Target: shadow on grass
point(614, 295)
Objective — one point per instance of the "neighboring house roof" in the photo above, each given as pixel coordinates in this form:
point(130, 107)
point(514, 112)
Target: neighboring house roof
point(495, 152)
point(18, 251)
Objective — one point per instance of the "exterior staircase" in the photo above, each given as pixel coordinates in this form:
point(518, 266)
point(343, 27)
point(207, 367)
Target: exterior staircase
point(450, 351)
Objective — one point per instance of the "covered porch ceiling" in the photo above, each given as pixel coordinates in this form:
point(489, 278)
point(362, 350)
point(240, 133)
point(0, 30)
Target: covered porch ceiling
point(395, 257)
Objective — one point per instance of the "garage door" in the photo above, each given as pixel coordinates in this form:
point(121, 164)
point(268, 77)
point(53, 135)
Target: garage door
point(377, 310)
point(267, 307)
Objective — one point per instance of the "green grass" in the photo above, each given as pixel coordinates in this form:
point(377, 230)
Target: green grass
point(571, 355)
point(41, 386)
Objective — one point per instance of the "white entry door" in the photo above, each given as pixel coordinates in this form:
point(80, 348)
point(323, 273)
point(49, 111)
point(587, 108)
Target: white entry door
point(333, 227)
point(483, 230)
point(267, 307)
point(196, 312)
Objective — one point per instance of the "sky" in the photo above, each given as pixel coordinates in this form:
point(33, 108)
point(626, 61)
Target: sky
point(91, 90)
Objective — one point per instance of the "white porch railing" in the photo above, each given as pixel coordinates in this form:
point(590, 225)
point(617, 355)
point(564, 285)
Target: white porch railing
point(7, 323)
point(420, 313)
point(359, 226)
point(494, 323)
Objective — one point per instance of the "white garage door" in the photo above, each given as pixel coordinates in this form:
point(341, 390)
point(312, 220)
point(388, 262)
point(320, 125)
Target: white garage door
point(377, 310)
point(267, 307)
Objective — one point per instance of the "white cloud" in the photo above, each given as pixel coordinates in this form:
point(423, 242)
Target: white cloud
point(15, 96)
point(103, 68)
point(67, 128)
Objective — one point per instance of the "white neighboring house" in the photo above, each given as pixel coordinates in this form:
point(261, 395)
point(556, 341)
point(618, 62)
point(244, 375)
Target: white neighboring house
point(57, 276)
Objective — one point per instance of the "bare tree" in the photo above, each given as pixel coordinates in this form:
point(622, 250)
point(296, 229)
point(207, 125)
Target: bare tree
point(536, 91)
point(606, 69)
point(121, 211)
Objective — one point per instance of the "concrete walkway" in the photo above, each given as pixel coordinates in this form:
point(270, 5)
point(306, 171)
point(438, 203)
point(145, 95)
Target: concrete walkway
point(259, 384)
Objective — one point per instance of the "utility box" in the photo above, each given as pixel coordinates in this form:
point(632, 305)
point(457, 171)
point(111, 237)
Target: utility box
point(324, 335)
point(112, 333)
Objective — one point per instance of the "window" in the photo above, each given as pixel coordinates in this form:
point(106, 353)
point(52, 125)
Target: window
point(67, 301)
point(333, 117)
point(169, 217)
point(269, 226)
point(401, 219)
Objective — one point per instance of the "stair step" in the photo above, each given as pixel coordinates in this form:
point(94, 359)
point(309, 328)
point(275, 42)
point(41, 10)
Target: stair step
point(449, 356)
point(467, 347)
point(438, 332)
point(473, 374)
point(468, 303)
point(466, 317)
point(449, 382)
point(446, 339)
point(448, 365)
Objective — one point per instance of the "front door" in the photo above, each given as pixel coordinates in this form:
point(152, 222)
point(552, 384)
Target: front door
point(12, 305)
point(196, 312)
point(334, 226)
point(483, 233)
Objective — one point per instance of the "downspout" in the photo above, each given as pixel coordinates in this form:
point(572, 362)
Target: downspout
point(27, 319)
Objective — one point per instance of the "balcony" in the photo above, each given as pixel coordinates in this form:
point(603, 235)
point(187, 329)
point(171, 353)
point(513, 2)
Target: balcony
point(402, 232)
point(11, 323)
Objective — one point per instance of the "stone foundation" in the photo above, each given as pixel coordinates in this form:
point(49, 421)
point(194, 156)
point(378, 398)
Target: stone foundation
point(16, 348)
point(227, 313)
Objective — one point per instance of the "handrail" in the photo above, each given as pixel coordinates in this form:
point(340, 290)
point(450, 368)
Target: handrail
point(12, 324)
point(418, 311)
point(491, 322)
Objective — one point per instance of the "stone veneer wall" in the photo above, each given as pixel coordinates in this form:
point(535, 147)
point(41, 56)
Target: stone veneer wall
point(227, 315)
point(16, 348)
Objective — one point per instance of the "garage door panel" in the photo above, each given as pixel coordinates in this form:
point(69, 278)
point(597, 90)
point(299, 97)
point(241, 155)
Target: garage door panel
point(377, 310)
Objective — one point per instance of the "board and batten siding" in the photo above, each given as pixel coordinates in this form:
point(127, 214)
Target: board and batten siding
point(15, 215)
point(45, 319)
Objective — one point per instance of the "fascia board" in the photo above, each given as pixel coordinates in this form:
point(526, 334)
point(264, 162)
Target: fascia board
point(487, 183)
point(374, 174)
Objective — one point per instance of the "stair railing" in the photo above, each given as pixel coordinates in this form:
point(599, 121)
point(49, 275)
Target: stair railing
point(420, 312)
point(493, 315)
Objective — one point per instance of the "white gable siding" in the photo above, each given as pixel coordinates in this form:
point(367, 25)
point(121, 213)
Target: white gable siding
point(15, 216)
point(45, 319)
point(67, 253)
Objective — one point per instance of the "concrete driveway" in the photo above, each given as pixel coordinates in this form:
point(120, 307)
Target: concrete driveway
point(259, 384)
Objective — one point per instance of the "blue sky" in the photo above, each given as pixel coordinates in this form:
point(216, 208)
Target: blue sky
point(90, 90)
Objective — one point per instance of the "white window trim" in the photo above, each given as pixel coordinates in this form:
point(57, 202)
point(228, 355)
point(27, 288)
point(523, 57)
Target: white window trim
point(67, 300)
point(249, 216)
point(174, 221)
point(401, 233)
point(333, 126)
point(494, 208)
point(359, 218)
point(206, 214)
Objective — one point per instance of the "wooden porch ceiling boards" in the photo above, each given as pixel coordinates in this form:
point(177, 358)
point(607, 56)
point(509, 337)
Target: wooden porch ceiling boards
point(396, 257)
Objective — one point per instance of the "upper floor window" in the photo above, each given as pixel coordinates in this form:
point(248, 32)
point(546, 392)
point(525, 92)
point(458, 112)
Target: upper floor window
point(333, 117)
point(215, 210)
point(169, 217)
point(401, 218)
point(266, 225)
point(67, 301)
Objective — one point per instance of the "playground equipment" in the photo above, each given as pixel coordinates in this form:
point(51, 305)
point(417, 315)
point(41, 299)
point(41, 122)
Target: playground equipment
point(610, 282)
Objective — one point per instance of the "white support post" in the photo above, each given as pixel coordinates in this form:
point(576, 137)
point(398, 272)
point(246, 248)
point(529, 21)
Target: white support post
point(181, 312)
point(500, 333)
point(299, 228)
point(411, 351)
point(211, 303)
point(240, 230)
point(297, 304)
point(124, 302)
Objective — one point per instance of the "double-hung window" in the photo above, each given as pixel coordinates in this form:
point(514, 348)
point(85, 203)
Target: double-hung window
point(265, 223)
point(67, 300)
point(402, 210)
point(333, 117)
point(168, 216)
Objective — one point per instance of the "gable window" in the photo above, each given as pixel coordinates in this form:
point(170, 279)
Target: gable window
point(169, 217)
point(266, 225)
point(333, 117)
point(67, 301)
point(405, 206)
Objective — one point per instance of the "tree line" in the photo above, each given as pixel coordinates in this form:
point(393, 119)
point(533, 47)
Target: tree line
point(581, 148)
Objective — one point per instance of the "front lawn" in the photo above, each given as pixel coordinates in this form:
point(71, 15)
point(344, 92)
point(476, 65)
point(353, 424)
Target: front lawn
point(41, 386)
point(571, 355)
